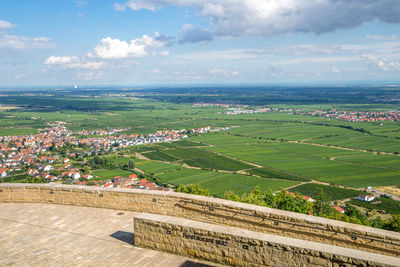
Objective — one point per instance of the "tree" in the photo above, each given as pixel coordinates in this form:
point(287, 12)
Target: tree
point(195, 189)
point(53, 146)
point(321, 206)
point(355, 215)
point(131, 164)
point(394, 223)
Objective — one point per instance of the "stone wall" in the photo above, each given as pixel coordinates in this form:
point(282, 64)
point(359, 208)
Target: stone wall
point(238, 247)
point(211, 210)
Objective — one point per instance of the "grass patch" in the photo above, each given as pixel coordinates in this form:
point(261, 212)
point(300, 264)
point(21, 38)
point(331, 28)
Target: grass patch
point(155, 167)
point(277, 174)
point(160, 155)
point(189, 153)
point(218, 162)
point(105, 174)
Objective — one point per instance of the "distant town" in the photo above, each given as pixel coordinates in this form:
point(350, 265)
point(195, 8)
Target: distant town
point(356, 116)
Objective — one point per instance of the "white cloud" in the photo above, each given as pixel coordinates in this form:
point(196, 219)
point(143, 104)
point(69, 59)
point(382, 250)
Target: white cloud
point(156, 71)
point(5, 24)
point(384, 63)
point(109, 48)
point(53, 60)
point(274, 17)
point(112, 53)
point(164, 53)
point(335, 70)
point(22, 42)
point(73, 62)
point(384, 38)
point(218, 71)
point(119, 7)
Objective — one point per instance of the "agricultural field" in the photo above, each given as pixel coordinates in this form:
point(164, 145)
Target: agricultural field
point(160, 155)
point(104, 174)
point(277, 174)
point(313, 162)
point(220, 182)
point(330, 192)
point(155, 167)
point(276, 149)
point(16, 131)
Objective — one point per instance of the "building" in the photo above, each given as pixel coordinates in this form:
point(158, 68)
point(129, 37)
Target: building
point(3, 173)
point(339, 209)
point(366, 198)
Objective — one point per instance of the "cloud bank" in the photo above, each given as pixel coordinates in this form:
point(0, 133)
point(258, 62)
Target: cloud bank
point(109, 49)
point(231, 18)
point(5, 24)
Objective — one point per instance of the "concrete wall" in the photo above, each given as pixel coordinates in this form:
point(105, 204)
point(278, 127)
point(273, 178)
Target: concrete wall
point(238, 247)
point(211, 210)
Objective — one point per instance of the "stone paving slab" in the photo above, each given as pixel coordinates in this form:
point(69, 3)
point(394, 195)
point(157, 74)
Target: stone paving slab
point(56, 235)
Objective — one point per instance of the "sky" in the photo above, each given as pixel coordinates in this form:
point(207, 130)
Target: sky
point(171, 42)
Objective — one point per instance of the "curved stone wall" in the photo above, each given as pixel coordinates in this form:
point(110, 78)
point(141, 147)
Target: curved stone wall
point(211, 210)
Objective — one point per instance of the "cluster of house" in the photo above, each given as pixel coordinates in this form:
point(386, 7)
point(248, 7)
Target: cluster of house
point(25, 151)
point(100, 132)
point(357, 116)
point(221, 105)
point(235, 111)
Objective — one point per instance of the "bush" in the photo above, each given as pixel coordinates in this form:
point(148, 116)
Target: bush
point(195, 189)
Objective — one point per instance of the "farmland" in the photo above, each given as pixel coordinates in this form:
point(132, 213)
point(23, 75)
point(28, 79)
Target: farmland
point(330, 192)
point(219, 182)
point(272, 150)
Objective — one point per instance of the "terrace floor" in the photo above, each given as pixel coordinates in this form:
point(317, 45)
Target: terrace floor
point(57, 235)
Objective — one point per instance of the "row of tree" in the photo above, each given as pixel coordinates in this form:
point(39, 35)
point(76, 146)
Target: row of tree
point(320, 207)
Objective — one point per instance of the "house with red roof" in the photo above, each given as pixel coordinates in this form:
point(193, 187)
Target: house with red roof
point(339, 209)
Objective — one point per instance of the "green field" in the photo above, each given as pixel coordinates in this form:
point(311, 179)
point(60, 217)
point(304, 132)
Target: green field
point(105, 174)
point(218, 162)
point(278, 144)
point(16, 131)
point(314, 162)
point(188, 153)
point(276, 174)
point(155, 167)
point(183, 143)
point(219, 182)
point(330, 192)
point(160, 155)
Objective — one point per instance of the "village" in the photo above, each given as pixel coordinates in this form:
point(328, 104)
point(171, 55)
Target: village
point(48, 155)
point(356, 116)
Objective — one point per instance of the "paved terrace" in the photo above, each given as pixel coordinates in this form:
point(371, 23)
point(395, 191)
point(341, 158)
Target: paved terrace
point(56, 235)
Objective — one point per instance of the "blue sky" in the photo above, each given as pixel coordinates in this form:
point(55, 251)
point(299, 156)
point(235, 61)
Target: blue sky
point(145, 42)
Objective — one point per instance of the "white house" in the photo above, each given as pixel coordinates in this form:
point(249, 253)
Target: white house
point(3, 173)
point(48, 168)
point(366, 198)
